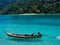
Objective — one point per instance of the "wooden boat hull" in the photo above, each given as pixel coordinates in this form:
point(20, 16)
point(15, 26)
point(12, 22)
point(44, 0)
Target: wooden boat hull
point(23, 35)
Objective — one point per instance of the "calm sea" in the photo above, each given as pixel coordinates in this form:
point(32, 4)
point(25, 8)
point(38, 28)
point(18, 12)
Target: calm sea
point(21, 24)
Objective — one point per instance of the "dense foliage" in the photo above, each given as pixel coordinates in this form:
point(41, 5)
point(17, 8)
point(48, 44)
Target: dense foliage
point(30, 6)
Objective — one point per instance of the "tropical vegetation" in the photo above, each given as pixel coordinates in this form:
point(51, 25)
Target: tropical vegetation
point(30, 6)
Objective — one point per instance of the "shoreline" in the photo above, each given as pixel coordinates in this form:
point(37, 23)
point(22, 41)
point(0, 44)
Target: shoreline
point(33, 14)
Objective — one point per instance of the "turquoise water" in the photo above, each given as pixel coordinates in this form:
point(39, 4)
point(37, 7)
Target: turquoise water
point(48, 25)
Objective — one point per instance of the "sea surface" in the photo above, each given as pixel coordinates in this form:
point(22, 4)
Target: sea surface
point(21, 24)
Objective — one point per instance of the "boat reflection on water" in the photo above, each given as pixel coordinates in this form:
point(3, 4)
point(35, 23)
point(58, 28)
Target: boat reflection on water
point(25, 39)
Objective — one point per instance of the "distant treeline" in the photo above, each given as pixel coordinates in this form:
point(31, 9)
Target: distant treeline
point(32, 6)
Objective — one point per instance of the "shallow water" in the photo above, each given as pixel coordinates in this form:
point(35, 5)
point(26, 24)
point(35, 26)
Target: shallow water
point(30, 24)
